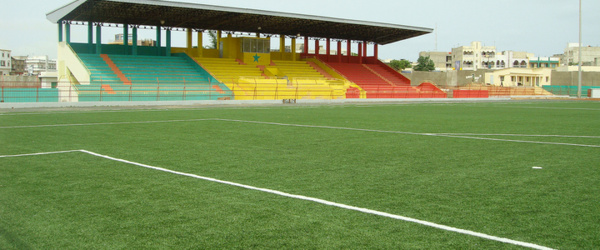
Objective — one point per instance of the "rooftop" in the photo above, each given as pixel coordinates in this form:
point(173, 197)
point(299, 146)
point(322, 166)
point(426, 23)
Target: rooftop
point(210, 17)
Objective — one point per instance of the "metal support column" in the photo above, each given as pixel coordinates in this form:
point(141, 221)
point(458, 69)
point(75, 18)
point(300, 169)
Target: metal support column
point(68, 32)
point(126, 38)
point(60, 31)
point(90, 36)
point(339, 51)
point(219, 33)
point(99, 38)
point(158, 40)
point(360, 52)
point(293, 49)
point(168, 52)
point(328, 48)
point(188, 36)
point(134, 49)
point(348, 49)
point(305, 52)
point(200, 43)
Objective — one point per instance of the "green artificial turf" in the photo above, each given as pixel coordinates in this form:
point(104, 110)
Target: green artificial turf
point(356, 156)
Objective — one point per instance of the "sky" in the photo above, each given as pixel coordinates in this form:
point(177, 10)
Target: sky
point(542, 27)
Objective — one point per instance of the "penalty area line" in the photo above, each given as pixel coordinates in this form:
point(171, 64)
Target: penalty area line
point(305, 198)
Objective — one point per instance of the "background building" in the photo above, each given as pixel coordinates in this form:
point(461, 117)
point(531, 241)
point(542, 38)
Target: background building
point(18, 65)
point(474, 57)
point(5, 62)
point(513, 77)
point(35, 65)
point(589, 55)
point(442, 60)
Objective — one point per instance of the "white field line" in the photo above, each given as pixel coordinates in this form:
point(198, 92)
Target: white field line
point(557, 108)
point(412, 133)
point(306, 198)
point(104, 123)
point(523, 135)
point(44, 153)
point(451, 135)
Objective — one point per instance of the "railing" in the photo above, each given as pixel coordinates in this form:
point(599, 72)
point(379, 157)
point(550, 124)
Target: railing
point(572, 91)
point(28, 94)
point(495, 91)
point(262, 91)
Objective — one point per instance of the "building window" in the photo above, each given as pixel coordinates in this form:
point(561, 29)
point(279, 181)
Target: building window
point(547, 79)
point(512, 78)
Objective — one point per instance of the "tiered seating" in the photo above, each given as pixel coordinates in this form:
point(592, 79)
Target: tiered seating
point(293, 80)
point(379, 82)
point(159, 70)
point(359, 74)
point(101, 72)
point(386, 72)
point(297, 69)
point(228, 70)
point(150, 78)
point(278, 89)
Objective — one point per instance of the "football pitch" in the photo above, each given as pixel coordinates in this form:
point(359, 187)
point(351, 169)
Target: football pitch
point(492, 175)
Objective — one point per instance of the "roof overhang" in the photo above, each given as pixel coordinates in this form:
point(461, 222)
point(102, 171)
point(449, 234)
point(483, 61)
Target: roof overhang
point(210, 17)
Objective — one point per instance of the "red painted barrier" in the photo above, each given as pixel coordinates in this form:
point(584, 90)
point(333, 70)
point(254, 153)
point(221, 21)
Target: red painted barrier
point(463, 93)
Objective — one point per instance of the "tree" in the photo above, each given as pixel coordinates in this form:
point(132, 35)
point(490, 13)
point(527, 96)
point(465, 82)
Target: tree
point(400, 64)
point(213, 40)
point(425, 64)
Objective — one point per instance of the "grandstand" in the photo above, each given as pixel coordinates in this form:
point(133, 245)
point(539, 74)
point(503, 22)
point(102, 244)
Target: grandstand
point(241, 67)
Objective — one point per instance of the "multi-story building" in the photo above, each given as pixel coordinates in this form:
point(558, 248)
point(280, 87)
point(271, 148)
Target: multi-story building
point(18, 65)
point(474, 57)
point(588, 54)
point(5, 62)
point(37, 64)
point(442, 60)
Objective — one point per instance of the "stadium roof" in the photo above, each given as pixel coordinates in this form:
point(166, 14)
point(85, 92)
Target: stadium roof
point(210, 17)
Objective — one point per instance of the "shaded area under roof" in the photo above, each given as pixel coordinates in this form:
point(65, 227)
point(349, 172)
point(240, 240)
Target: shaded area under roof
point(209, 17)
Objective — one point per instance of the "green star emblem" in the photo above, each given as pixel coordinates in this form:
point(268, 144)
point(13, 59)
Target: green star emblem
point(256, 57)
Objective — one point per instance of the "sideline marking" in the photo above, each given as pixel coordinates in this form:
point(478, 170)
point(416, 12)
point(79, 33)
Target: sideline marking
point(524, 135)
point(450, 135)
point(306, 198)
point(35, 154)
point(413, 133)
point(104, 123)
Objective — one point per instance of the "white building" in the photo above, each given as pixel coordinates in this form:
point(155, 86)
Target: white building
point(5, 61)
point(476, 57)
point(512, 59)
point(35, 65)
